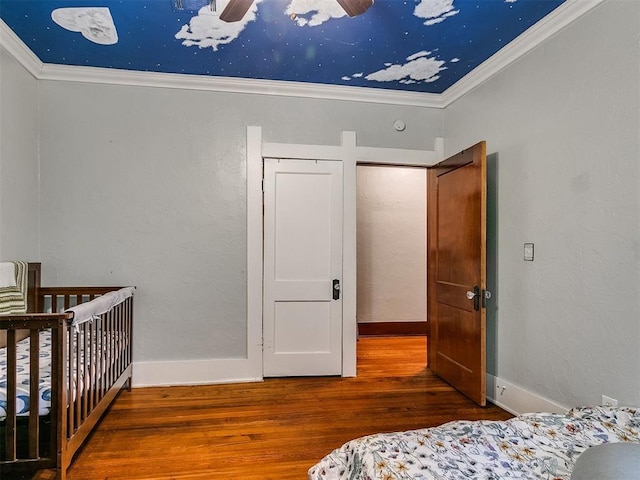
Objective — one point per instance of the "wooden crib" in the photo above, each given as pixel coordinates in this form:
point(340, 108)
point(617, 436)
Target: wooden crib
point(90, 363)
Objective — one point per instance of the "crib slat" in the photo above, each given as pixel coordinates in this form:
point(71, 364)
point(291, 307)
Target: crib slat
point(115, 361)
point(85, 370)
point(110, 349)
point(114, 345)
point(124, 332)
point(118, 339)
point(91, 382)
point(69, 383)
point(107, 353)
point(34, 393)
point(107, 345)
point(116, 342)
point(10, 440)
point(130, 335)
point(77, 377)
point(56, 418)
point(59, 349)
point(101, 361)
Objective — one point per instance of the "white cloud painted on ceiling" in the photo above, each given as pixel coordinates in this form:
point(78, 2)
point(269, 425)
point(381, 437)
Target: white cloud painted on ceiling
point(94, 23)
point(207, 30)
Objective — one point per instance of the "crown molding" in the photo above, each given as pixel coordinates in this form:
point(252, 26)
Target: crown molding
point(534, 36)
point(47, 71)
point(237, 85)
point(566, 13)
point(16, 47)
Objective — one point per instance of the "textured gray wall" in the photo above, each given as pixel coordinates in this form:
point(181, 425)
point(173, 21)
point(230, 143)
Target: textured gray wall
point(19, 189)
point(147, 186)
point(564, 121)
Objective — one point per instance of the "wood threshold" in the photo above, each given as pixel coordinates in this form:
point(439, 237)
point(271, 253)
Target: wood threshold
point(385, 329)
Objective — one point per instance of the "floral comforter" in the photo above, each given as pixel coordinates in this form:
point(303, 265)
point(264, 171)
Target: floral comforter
point(531, 446)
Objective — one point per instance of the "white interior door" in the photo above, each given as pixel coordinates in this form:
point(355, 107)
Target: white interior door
point(302, 318)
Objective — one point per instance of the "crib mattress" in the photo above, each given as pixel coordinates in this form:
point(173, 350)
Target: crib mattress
point(532, 446)
point(44, 388)
point(23, 387)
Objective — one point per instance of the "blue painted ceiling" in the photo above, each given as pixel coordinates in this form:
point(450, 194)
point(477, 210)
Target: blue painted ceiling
point(406, 45)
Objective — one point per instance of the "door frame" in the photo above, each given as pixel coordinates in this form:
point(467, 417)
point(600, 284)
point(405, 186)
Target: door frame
point(350, 154)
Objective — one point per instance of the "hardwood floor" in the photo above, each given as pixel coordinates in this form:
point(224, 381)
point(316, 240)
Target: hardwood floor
point(276, 429)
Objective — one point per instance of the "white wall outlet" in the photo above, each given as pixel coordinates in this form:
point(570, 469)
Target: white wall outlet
point(609, 402)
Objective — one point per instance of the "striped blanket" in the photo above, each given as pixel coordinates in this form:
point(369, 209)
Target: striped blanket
point(13, 299)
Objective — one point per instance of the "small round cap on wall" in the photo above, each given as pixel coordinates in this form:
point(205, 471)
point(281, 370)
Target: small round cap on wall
point(399, 125)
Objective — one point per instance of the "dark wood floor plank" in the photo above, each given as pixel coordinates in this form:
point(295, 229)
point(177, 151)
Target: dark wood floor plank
point(275, 429)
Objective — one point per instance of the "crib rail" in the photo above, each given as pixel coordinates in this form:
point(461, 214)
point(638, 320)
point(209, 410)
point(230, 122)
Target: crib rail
point(34, 323)
point(98, 366)
point(91, 362)
point(58, 299)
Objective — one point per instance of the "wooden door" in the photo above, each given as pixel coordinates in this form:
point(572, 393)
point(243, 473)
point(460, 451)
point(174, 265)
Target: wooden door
point(456, 243)
point(302, 319)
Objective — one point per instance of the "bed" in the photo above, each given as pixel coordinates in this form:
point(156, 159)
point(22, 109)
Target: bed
point(77, 350)
point(531, 446)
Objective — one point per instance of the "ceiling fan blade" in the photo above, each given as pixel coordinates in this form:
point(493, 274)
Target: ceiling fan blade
point(355, 7)
point(235, 10)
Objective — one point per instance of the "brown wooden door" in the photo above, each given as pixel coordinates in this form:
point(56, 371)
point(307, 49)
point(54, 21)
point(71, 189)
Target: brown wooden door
point(456, 226)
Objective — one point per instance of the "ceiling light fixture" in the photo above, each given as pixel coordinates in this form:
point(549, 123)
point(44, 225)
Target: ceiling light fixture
point(235, 10)
point(192, 5)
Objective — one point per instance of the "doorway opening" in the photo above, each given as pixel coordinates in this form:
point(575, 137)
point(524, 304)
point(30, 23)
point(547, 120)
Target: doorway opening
point(391, 250)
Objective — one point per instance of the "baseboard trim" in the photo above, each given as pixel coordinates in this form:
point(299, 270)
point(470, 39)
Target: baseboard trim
point(385, 329)
point(517, 400)
point(193, 372)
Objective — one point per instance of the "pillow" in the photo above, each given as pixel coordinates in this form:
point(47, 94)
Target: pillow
point(7, 274)
point(619, 461)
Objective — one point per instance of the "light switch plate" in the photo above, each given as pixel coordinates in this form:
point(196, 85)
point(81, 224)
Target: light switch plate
point(528, 252)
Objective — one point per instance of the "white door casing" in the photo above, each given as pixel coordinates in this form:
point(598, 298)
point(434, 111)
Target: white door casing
point(349, 153)
point(302, 320)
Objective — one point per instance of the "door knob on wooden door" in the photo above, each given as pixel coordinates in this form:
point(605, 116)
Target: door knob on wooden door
point(486, 295)
point(475, 296)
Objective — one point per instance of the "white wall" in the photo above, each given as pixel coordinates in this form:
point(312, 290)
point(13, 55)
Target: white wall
point(564, 124)
point(146, 186)
point(391, 244)
point(19, 188)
